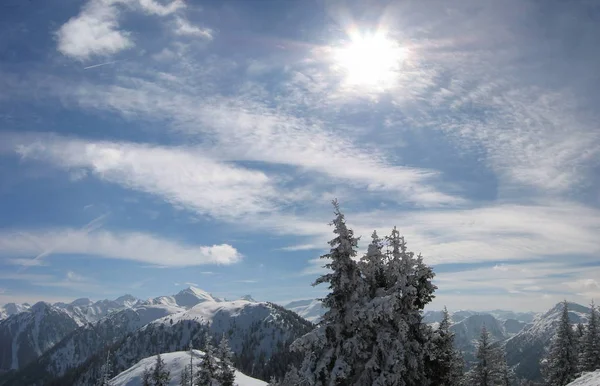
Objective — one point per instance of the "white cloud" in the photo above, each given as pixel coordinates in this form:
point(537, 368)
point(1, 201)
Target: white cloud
point(135, 246)
point(240, 129)
point(185, 28)
point(155, 8)
point(184, 177)
point(95, 31)
point(500, 232)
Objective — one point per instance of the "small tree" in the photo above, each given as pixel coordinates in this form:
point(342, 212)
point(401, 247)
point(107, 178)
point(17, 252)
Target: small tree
point(160, 375)
point(226, 371)
point(589, 359)
point(207, 371)
point(146, 377)
point(490, 369)
point(185, 376)
point(561, 364)
point(444, 362)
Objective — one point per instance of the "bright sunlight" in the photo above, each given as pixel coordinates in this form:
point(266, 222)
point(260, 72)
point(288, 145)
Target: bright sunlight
point(370, 60)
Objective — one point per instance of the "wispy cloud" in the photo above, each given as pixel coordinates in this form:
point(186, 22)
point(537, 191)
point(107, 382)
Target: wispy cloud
point(140, 247)
point(181, 176)
point(185, 28)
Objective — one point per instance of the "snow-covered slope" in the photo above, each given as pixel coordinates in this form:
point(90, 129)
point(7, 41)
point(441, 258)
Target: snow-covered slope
point(10, 309)
point(587, 379)
point(174, 362)
point(525, 349)
point(468, 331)
point(310, 309)
point(27, 335)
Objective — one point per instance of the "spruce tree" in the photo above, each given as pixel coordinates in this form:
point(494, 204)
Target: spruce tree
point(185, 376)
point(561, 364)
point(444, 363)
point(160, 375)
point(589, 359)
point(146, 377)
point(373, 333)
point(226, 371)
point(331, 350)
point(490, 369)
point(207, 369)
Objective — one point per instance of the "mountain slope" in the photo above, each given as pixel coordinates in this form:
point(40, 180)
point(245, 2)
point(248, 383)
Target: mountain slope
point(174, 362)
point(10, 309)
point(587, 379)
point(310, 309)
point(468, 331)
point(27, 335)
point(525, 349)
point(259, 334)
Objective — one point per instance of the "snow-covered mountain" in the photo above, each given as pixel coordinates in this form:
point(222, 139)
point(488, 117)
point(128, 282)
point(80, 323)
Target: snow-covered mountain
point(85, 311)
point(468, 331)
point(259, 334)
point(310, 309)
point(186, 298)
point(174, 363)
point(587, 379)
point(525, 349)
point(10, 309)
point(26, 335)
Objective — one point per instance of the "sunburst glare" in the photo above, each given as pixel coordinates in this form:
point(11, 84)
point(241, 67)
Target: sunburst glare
point(370, 60)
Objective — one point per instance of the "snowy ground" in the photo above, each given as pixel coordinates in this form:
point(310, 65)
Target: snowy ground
point(587, 379)
point(175, 362)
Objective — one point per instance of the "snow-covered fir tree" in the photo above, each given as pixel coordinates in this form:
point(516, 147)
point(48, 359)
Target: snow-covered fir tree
point(185, 377)
point(225, 371)
point(208, 367)
point(589, 358)
point(444, 363)
point(373, 333)
point(331, 349)
point(146, 377)
point(160, 375)
point(560, 367)
point(292, 378)
point(490, 369)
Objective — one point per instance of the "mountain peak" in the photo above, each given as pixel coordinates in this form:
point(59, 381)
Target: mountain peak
point(81, 302)
point(191, 296)
point(248, 298)
point(127, 300)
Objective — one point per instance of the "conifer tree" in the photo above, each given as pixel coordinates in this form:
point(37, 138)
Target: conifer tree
point(226, 371)
point(185, 376)
point(490, 369)
point(373, 333)
point(207, 370)
point(146, 377)
point(561, 363)
point(160, 375)
point(589, 359)
point(330, 350)
point(444, 363)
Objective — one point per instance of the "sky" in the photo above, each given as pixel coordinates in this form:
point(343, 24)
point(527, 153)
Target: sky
point(150, 145)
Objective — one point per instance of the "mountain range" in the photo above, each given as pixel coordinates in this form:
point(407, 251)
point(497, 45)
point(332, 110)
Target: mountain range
point(66, 343)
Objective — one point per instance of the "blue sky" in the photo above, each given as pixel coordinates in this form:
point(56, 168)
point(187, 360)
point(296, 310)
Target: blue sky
point(149, 144)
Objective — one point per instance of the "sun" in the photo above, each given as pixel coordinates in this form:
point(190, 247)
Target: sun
point(369, 60)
